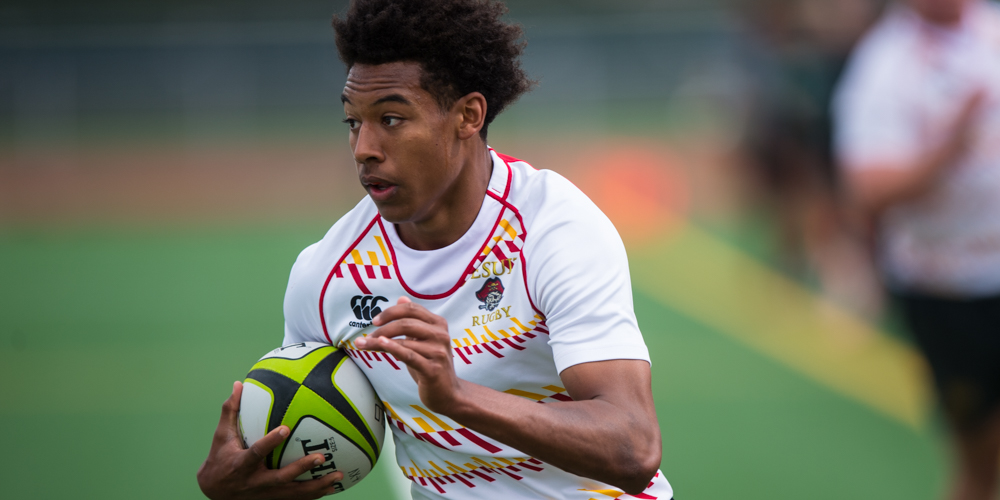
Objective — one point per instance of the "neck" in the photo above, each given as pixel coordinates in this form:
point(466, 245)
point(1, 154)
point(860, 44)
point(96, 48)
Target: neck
point(948, 19)
point(456, 210)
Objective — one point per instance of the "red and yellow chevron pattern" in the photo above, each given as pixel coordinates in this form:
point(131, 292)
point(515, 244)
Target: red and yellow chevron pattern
point(373, 267)
point(621, 494)
point(476, 469)
point(450, 435)
point(492, 343)
point(368, 357)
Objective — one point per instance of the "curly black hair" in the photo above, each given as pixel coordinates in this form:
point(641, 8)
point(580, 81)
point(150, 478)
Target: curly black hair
point(463, 46)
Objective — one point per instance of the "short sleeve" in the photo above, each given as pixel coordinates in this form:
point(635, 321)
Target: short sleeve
point(578, 276)
point(874, 124)
point(301, 317)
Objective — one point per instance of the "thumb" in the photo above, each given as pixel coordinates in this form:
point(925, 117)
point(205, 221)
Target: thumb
point(403, 300)
point(229, 418)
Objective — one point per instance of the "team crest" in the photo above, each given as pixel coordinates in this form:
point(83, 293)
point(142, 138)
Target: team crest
point(490, 294)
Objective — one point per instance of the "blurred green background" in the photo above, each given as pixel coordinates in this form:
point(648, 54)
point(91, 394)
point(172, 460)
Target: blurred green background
point(163, 163)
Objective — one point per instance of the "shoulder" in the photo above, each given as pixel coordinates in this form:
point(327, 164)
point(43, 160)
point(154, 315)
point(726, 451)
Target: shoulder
point(884, 53)
point(339, 238)
point(990, 12)
point(563, 226)
point(988, 16)
point(552, 208)
point(546, 200)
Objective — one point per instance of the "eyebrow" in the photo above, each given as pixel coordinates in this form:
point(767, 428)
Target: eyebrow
point(393, 98)
point(389, 98)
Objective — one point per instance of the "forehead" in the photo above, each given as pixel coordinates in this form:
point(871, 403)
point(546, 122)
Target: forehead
point(369, 82)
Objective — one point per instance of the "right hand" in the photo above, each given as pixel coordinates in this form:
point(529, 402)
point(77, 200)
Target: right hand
point(962, 131)
point(231, 472)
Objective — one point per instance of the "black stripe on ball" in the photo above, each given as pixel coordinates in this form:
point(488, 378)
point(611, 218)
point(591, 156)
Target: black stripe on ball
point(320, 381)
point(283, 389)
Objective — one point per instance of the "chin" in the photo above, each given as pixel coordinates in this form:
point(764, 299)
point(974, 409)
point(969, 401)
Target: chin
point(393, 214)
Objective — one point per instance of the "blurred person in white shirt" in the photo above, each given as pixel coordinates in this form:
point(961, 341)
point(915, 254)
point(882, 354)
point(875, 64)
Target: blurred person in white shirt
point(917, 133)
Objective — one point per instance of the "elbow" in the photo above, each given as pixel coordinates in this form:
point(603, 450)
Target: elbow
point(638, 469)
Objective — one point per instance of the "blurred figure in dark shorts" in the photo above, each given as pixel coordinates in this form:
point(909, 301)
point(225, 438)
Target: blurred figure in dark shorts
point(918, 136)
point(796, 54)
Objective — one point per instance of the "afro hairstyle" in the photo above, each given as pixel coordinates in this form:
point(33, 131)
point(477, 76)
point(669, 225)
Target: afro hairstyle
point(463, 46)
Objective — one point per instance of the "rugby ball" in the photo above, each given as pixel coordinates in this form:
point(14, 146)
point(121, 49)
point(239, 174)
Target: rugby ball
point(326, 401)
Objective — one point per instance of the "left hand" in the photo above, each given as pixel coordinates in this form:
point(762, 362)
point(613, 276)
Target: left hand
point(425, 349)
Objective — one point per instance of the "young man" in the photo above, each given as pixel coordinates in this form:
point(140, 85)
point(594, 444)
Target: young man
point(488, 303)
point(918, 123)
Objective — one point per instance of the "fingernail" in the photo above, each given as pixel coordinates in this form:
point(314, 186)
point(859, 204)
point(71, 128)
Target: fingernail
point(318, 462)
point(283, 431)
point(362, 342)
point(376, 320)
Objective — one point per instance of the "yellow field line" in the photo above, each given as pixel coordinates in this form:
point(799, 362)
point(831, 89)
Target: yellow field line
point(722, 287)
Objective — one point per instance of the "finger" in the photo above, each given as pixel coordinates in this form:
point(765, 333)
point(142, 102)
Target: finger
point(405, 308)
point(407, 354)
point(426, 349)
point(410, 328)
point(299, 467)
point(228, 419)
point(407, 327)
point(259, 450)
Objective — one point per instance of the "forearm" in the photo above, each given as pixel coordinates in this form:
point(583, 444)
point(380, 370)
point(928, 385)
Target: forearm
point(878, 188)
point(593, 438)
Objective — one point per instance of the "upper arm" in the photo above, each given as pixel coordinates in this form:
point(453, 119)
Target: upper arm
point(626, 383)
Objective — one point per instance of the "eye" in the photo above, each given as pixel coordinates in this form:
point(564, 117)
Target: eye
point(391, 121)
point(352, 123)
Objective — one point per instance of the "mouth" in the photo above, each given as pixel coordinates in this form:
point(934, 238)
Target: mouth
point(378, 189)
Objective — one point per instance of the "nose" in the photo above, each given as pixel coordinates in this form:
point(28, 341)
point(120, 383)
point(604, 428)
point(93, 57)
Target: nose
point(367, 147)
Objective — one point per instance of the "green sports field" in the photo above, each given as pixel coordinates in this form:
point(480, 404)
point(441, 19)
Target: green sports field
point(118, 343)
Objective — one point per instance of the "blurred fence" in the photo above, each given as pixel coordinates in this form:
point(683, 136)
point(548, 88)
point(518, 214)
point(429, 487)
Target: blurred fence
point(67, 81)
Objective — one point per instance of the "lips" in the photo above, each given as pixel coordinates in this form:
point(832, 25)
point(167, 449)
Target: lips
point(379, 189)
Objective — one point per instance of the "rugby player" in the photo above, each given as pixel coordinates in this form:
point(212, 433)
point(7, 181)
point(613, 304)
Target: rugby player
point(489, 303)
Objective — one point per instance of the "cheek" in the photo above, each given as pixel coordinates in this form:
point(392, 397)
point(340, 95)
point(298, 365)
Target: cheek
point(425, 159)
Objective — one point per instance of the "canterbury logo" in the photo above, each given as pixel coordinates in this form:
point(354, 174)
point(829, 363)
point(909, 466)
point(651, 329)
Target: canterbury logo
point(365, 306)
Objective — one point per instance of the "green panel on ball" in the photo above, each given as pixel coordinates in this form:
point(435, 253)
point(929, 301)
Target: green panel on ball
point(295, 369)
point(307, 402)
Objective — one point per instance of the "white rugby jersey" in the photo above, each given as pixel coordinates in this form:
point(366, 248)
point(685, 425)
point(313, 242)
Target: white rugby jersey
point(902, 88)
point(539, 283)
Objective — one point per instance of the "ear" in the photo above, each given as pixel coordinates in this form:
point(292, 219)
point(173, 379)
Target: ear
point(470, 111)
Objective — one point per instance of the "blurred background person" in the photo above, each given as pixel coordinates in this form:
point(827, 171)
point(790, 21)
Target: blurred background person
point(797, 53)
point(918, 135)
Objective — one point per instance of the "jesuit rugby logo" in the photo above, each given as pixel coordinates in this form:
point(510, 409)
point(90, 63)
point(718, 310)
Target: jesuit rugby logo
point(490, 294)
